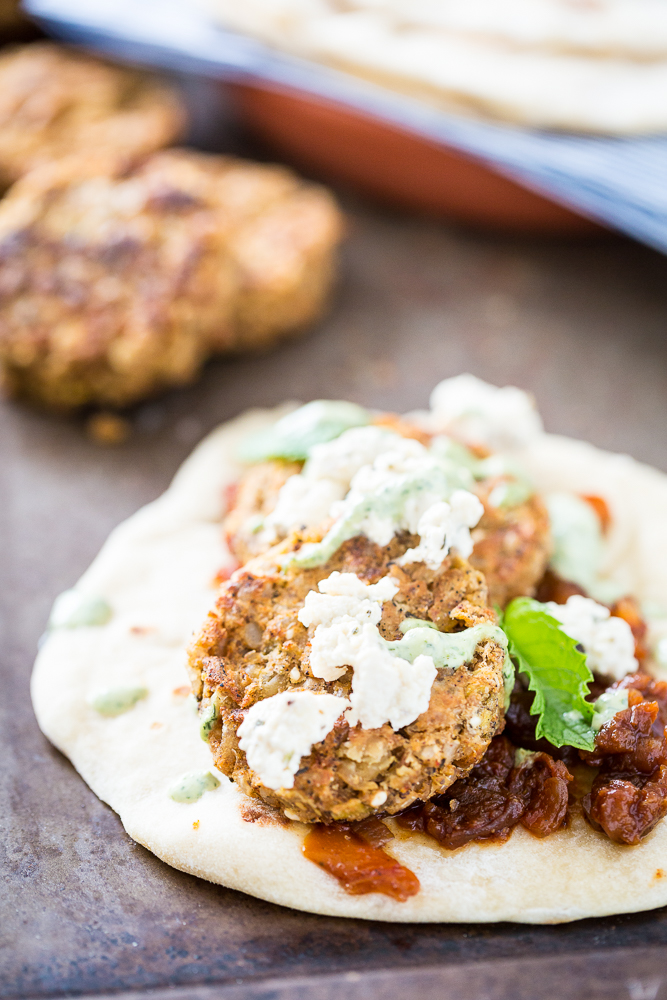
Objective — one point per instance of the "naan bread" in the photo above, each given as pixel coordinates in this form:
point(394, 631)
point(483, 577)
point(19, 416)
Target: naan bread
point(156, 572)
point(560, 64)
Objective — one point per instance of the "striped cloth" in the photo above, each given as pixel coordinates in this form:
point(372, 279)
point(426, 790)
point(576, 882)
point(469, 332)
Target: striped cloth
point(620, 182)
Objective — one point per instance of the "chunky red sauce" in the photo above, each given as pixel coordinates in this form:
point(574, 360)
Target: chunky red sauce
point(627, 779)
point(353, 853)
point(629, 793)
point(553, 588)
point(494, 798)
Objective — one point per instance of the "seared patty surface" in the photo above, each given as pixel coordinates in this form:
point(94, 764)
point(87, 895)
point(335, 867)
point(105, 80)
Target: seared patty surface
point(117, 282)
point(253, 646)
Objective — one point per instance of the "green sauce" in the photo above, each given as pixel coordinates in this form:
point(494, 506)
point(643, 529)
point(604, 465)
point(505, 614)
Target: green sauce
point(451, 649)
point(448, 649)
point(410, 623)
point(191, 787)
point(456, 454)
point(115, 701)
point(294, 435)
point(606, 707)
point(207, 721)
point(579, 547)
point(388, 503)
point(73, 609)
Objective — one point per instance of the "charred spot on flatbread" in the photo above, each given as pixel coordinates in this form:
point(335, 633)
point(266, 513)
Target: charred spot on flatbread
point(253, 646)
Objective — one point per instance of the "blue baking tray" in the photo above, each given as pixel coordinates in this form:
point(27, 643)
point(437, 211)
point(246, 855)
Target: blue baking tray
point(621, 182)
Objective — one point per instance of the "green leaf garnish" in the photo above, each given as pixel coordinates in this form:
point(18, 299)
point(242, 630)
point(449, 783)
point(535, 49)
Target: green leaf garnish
point(557, 672)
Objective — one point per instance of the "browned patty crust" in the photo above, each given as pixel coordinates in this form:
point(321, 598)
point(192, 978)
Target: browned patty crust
point(116, 283)
point(512, 546)
point(55, 102)
point(253, 646)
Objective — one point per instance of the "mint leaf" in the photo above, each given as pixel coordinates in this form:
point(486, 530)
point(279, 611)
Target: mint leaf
point(557, 672)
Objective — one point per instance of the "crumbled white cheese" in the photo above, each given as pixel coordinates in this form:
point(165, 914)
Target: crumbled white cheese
point(607, 640)
point(390, 496)
point(481, 413)
point(305, 500)
point(444, 526)
point(343, 604)
point(342, 458)
point(277, 732)
point(385, 687)
point(302, 503)
point(393, 493)
point(345, 595)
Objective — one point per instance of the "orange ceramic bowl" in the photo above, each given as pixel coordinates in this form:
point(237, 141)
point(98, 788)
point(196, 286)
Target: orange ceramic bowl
point(397, 167)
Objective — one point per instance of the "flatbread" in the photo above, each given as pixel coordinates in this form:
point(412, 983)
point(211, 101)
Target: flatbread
point(631, 29)
point(550, 64)
point(156, 571)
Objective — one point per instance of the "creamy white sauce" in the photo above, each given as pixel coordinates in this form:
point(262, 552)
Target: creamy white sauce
point(277, 732)
point(607, 640)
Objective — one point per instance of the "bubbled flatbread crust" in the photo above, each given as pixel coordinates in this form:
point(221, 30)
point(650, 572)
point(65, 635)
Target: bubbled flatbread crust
point(156, 571)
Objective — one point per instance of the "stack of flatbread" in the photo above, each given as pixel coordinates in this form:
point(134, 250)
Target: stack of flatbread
point(580, 65)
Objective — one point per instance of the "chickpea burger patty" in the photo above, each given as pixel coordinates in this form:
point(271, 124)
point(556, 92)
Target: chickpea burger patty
point(254, 646)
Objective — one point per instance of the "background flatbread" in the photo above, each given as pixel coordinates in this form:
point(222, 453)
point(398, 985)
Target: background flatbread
point(544, 63)
point(632, 29)
point(156, 571)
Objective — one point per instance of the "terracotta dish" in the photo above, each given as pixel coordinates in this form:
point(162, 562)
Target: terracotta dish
point(395, 167)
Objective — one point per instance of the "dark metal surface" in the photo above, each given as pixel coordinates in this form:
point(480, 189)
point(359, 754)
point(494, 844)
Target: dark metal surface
point(84, 909)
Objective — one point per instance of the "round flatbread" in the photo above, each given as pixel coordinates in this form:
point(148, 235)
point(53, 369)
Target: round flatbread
point(545, 63)
point(156, 572)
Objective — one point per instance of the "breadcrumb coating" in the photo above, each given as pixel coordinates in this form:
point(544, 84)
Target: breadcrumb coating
point(117, 282)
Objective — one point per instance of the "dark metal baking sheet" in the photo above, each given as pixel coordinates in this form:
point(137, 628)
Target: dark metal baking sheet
point(86, 911)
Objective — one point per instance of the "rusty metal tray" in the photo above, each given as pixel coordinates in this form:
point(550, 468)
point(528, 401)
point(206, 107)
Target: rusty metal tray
point(84, 910)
